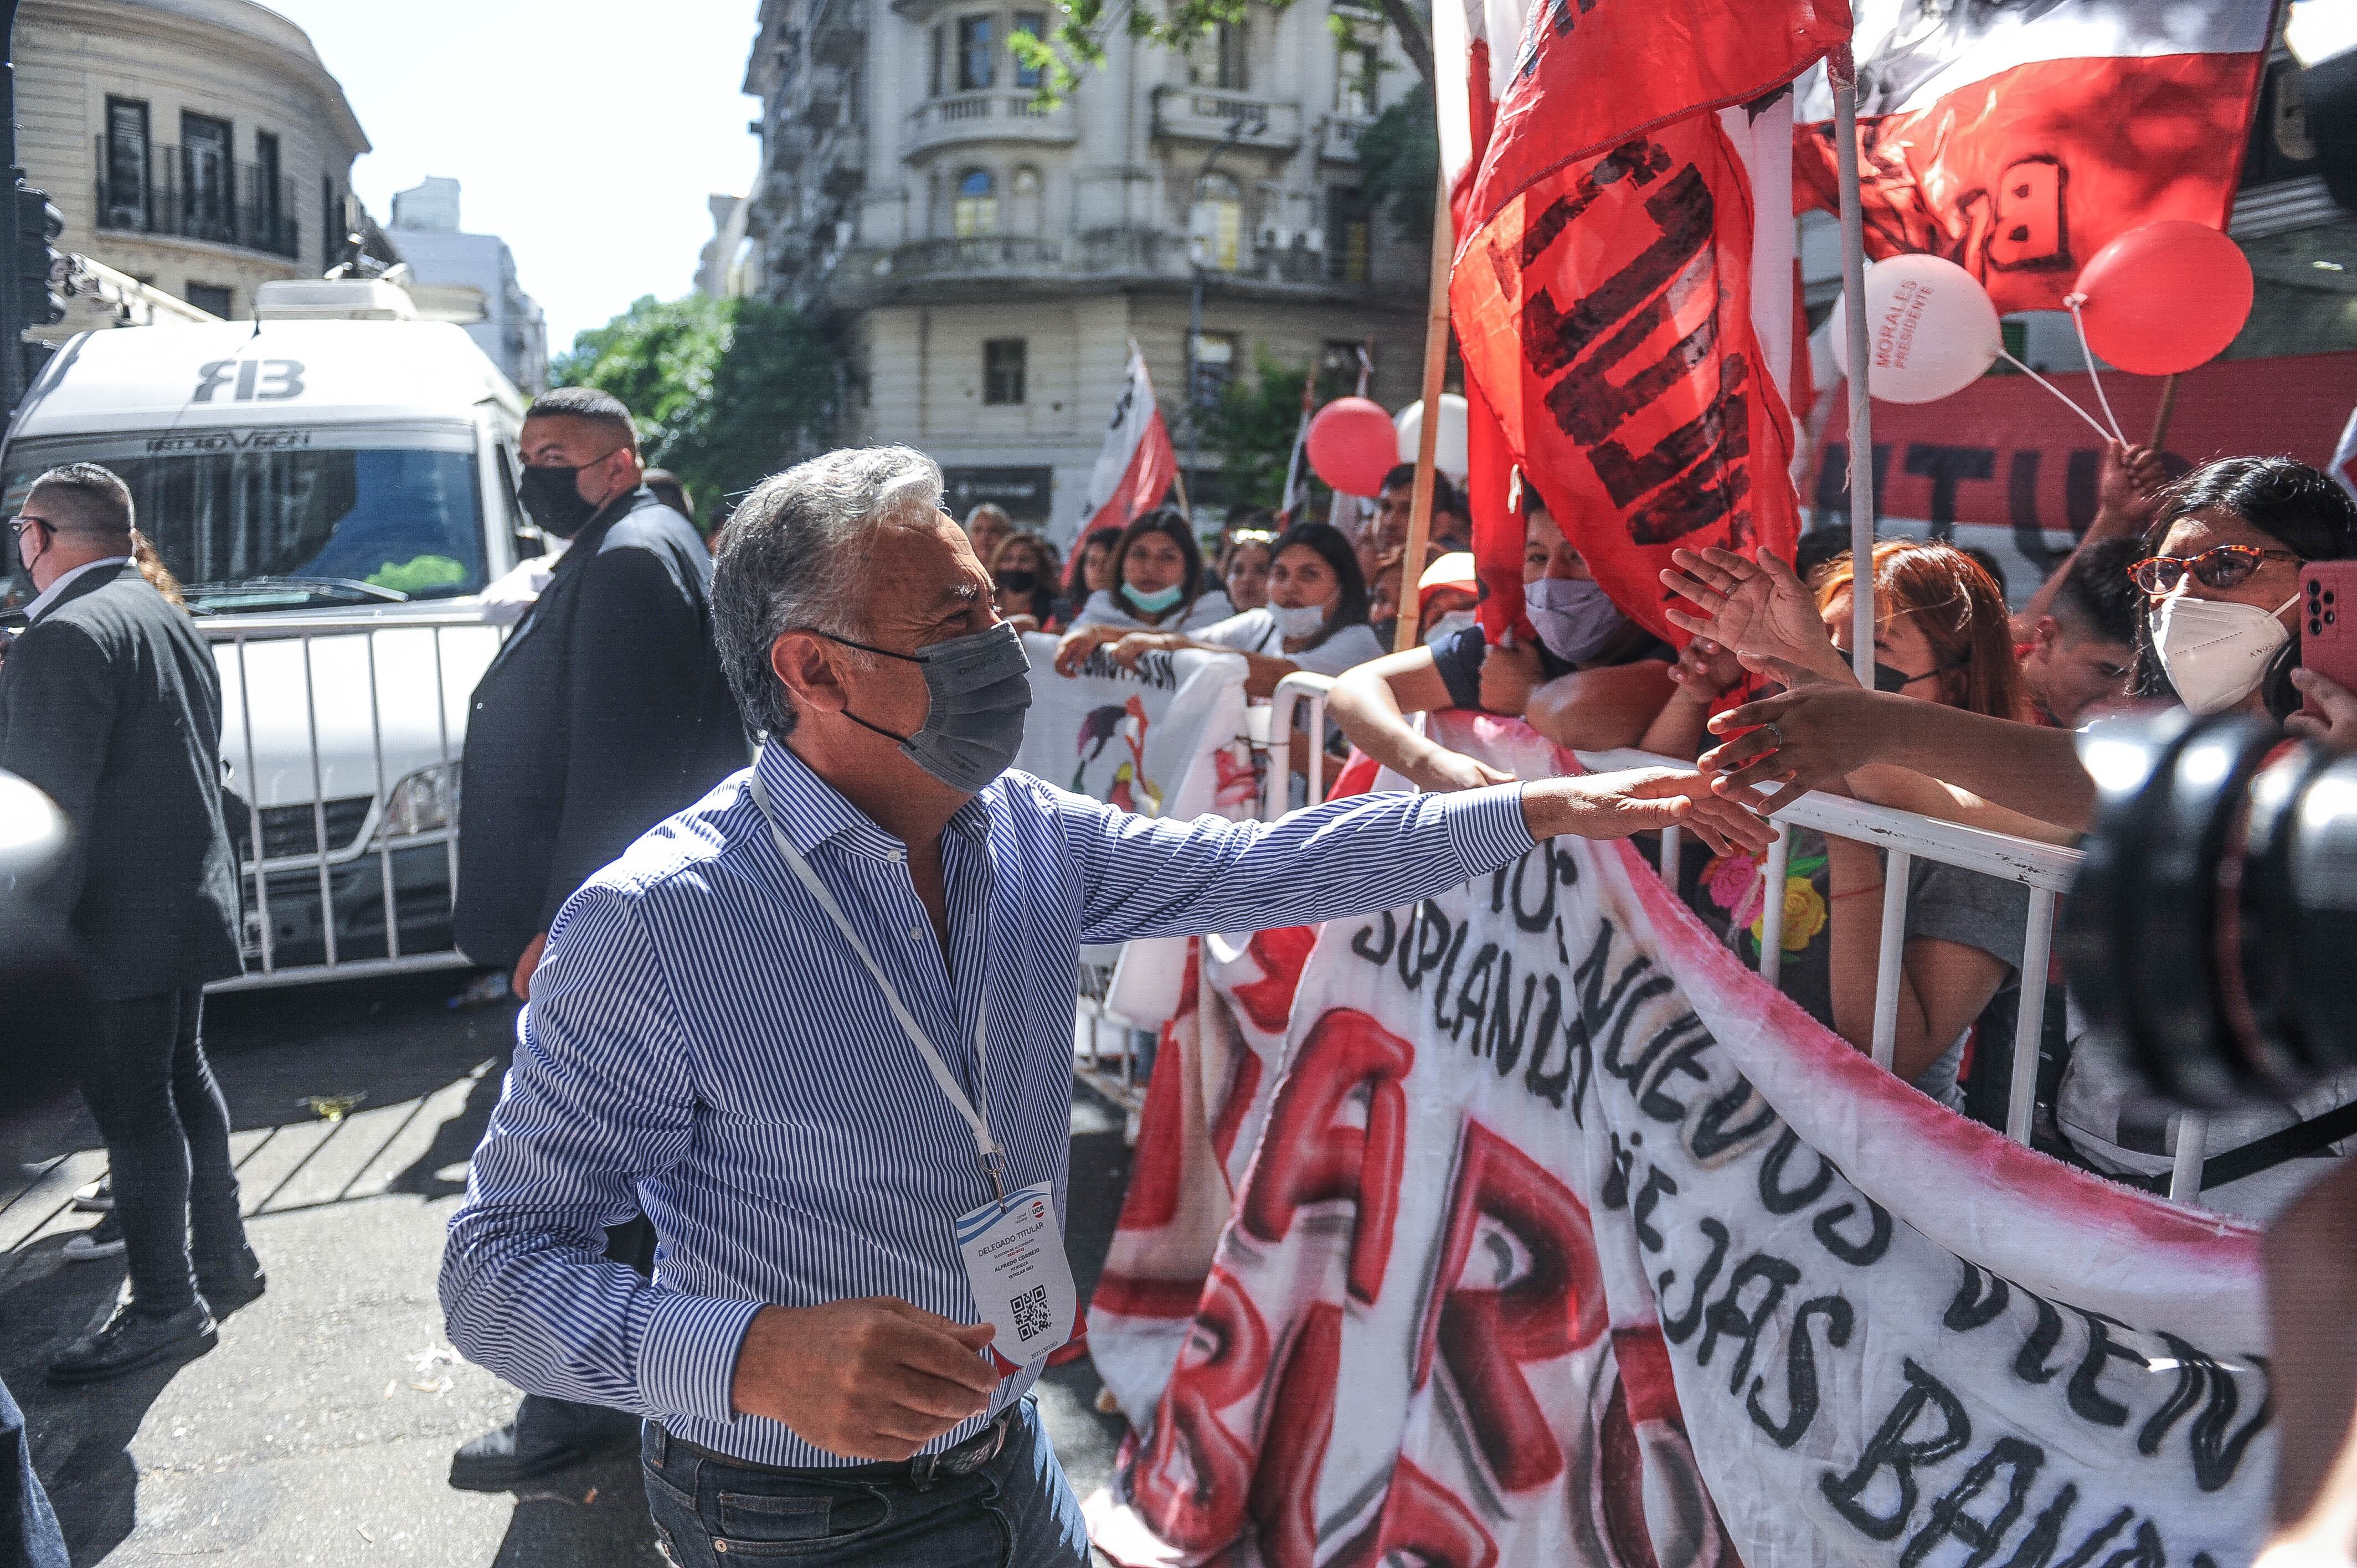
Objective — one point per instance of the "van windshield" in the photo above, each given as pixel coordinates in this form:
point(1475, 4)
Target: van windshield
point(290, 526)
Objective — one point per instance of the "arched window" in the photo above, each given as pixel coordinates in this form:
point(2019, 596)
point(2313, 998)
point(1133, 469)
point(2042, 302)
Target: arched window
point(975, 211)
point(1024, 188)
point(1215, 227)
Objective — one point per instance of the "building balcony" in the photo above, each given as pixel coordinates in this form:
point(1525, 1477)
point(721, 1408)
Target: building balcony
point(790, 146)
point(967, 117)
point(838, 30)
point(842, 158)
point(974, 256)
point(824, 87)
point(1337, 137)
point(1205, 114)
point(149, 190)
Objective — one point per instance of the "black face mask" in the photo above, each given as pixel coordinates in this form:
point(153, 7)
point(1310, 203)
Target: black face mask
point(1019, 581)
point(554, 501)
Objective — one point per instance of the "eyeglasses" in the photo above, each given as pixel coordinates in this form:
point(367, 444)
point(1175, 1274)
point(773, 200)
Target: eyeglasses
point(2220, 566)
point(18, 524)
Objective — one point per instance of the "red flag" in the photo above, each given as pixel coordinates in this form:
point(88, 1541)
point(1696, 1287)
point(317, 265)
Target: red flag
point(1136, 464)
point(2018, 141)
point(1605, 311)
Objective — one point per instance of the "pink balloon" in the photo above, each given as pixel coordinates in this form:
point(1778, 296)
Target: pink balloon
point(2165, 297)
point(1352, 445)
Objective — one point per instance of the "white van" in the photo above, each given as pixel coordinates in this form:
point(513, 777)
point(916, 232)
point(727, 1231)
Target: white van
point(335, 495)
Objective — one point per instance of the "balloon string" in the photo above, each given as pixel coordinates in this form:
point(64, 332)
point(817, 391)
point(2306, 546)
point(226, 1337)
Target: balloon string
point(2058, 392)
point(2074, 301)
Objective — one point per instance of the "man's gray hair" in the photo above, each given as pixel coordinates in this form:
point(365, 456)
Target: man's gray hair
point(792, 560)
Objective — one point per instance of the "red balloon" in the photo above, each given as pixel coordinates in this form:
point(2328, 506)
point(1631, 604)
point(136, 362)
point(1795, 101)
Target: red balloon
point(2165, 297)
point(1352, 444)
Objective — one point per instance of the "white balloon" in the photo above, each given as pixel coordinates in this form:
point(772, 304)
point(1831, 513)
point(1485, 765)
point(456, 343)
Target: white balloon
point(1449, 449)
point(1932, 327)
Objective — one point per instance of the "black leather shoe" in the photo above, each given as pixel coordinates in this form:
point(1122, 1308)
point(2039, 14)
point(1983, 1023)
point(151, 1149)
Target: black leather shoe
point(493, 1462)
point(231, 1285)
point(128, 1339)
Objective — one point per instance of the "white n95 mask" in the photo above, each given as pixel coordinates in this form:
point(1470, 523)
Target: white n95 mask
point(2215, 652)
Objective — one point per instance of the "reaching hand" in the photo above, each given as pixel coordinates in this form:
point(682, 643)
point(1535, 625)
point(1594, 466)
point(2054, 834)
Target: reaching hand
point(1818, 731)
point(1446, 771)
point(1758, 610)
point(2129, 482)
point(1508, 671)
point(1079, 643)
point(1136, 645)
point(1706, 671)
point(876, 1379)
point(1646, 800)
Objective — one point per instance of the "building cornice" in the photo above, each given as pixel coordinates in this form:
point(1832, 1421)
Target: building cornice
point(139, 24)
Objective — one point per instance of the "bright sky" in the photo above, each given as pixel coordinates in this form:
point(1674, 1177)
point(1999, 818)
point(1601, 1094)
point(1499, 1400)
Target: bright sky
point(587, 134)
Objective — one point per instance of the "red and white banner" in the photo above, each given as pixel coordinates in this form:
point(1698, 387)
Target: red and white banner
point(1566, 1240)
point(1137, 462)
point(2018, 140)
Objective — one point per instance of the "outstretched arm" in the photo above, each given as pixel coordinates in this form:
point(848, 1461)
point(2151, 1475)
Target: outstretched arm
point(1371, 703)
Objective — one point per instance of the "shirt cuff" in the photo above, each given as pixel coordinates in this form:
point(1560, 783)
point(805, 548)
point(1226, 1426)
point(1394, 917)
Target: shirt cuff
point(1487, 829)
point(687, 1356)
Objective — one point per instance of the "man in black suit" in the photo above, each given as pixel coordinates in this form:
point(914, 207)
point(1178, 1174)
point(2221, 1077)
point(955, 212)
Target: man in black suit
point(606, 712)
point(110, 703)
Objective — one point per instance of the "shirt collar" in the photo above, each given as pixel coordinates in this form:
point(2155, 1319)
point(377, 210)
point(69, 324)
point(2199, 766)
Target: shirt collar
point(811, 811)
point(49, 596)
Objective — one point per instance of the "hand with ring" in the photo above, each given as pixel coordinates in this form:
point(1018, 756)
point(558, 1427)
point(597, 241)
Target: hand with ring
point(1756, 610)
point(1817, 732)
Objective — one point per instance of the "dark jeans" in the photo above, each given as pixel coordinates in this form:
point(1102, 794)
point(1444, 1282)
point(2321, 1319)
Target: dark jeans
point(166, 1132)
point(30, 1537)
point(1016, 1511)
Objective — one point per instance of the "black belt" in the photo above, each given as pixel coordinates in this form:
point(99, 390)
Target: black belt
point(923, 1471)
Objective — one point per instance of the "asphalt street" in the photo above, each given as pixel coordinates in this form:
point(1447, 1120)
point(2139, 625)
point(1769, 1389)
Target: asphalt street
point(319, 1431)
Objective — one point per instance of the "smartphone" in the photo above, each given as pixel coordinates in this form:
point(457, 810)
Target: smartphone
point(2327, 637)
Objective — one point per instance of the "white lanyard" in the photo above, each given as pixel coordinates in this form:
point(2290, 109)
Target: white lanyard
point(993, 1158)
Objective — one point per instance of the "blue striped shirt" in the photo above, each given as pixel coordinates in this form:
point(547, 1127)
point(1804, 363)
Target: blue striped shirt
point(704, 1047)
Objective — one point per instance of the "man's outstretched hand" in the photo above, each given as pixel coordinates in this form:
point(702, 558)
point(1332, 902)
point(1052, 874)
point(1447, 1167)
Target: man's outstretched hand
point(1818, 731)
point(1756, 610)
point(874, 1379)
point(1645, 799)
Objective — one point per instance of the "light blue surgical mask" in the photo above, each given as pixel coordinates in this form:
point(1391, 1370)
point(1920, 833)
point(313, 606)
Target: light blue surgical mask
point(1155, 603)
point(1573, 618)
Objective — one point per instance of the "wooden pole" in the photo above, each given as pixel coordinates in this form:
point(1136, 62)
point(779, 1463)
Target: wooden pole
point(1861, 402)
point(2161, 416)
point(1436, 360)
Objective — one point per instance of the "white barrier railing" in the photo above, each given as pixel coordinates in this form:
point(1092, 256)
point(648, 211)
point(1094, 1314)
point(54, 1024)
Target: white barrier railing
point(312, 712)
point(2045, 869)
point(1297, 690)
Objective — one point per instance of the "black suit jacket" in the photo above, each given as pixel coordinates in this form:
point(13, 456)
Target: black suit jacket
point(605, 713)
point(110, 703)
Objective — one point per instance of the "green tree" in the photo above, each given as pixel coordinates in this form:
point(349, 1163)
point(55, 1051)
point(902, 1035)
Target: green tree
point(725, 391)
point(1250, 429)
point(1077, 38)
point(1399, 163)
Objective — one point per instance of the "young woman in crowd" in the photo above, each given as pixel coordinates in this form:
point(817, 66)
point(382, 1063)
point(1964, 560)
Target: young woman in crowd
point(1446, 597)
point(1024, 568)
point(1159, 568)
point(1088, 571)
point(986, 528)
point(1594, 679)
point(1244, 572)
point(1315, 618)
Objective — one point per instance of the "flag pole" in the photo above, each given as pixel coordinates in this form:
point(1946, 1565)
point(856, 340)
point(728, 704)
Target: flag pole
point(1842, 72)
point(1436, 360)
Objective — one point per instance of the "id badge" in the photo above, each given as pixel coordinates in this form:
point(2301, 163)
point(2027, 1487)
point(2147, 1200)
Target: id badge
point(1022, 1281)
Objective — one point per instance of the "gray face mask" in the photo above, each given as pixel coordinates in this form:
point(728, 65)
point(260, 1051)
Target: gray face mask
point(980, 684)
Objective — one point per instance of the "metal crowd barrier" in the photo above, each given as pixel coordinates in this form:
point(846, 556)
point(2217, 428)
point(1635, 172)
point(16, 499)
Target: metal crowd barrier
point(1297, 690)
point(343, 669)
point(2045, 869)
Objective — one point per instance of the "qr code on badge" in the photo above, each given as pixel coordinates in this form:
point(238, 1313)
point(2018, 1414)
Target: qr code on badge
point(1031, 1318)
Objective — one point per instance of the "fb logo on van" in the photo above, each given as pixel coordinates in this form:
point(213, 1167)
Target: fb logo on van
point(270, 381)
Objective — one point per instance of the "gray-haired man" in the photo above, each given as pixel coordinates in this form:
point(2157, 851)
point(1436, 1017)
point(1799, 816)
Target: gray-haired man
point(819, 1029)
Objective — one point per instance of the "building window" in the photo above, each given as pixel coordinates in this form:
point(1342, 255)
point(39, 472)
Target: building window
point(1356, 65)
point(934, 51)
point(1218, 58)
point(1026, 188)
point(976, 210)
point(1338, 368)
point(1215, 366)
point(269, 203)
point(206, 197)
point(212, 300)
point(331, 224)
point(978, 52)
point(126, 164)
point(1036, 24)
point(1216, 226)
point(1002, 370)
point(1350, 235)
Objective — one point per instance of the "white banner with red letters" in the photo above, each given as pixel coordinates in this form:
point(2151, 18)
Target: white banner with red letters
point(1538, 1230)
